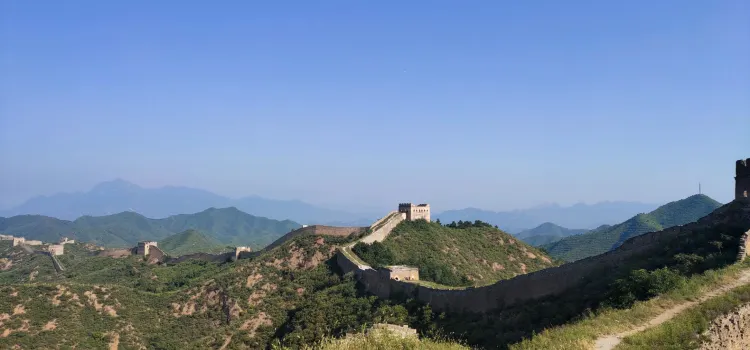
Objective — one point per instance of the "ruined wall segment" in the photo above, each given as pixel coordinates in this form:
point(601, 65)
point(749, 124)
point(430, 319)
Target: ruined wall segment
point(742, 180)
point(156, 255)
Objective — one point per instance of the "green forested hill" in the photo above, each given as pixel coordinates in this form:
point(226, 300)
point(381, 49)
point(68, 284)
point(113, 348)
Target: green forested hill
point(466, 254)
point(547, 233)
point(605, 238)
point(191, 241)
point(228, 226)
point(231, 226)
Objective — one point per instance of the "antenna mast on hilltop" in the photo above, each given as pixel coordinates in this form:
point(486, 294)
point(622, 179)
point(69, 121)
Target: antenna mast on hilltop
point(699, 188)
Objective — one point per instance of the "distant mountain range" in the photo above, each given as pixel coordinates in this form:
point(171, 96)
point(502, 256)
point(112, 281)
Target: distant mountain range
point(547, 233)
point(606, 238)
point(117, 196)
point(228, 226)
point(584, 216)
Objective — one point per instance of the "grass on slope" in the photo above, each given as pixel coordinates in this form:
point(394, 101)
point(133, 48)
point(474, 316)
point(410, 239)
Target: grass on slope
point(478, 254)
point(603, 239)
point(191, 241)
point(582, 333)
point(685, 331)
point(383, 341)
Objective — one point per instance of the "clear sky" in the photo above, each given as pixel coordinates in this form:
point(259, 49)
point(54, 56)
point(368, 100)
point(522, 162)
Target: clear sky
point(491, 104)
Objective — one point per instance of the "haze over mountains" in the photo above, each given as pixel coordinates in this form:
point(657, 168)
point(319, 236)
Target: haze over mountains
point(584, 216)
point(117, 196)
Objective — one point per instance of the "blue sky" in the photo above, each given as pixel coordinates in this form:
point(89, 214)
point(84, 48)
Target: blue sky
point(490, 104)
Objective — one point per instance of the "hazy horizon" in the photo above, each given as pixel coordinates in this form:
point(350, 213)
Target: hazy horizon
point(490, 105)
point(352, 207)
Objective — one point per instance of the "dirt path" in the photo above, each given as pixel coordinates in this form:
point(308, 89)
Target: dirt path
point(609, 342)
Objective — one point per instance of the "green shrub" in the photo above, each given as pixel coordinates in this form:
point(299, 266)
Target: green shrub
point(642, 285)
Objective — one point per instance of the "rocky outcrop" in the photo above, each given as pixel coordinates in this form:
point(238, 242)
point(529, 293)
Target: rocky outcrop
point(730, 331)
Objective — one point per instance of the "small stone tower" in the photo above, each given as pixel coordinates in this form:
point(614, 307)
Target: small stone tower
point(742, 180)
point(415, 212)
point(239, 250)
point(144, 247)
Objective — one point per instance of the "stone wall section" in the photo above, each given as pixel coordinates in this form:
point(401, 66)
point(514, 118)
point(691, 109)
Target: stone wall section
point(155, 255)
point(543, 283)
point(730, 331)
point(383, 227)
point(744, 246)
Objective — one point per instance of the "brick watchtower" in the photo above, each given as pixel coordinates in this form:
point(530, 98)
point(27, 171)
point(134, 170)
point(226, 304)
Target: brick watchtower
point(415, 212)
point(742, 180)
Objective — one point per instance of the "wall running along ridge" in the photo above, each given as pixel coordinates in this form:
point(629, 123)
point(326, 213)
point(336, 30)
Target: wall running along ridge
point(543, 283)
point(730, 331)
point(383, 227)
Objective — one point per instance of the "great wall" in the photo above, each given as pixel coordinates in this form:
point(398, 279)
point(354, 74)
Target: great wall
point(385, 283)
point(544, 283)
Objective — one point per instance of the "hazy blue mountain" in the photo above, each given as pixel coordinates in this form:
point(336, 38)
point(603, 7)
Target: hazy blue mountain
point(606, 238)
point(585, 216)
point(228, 226)
point(547, 233)
point(118, 196)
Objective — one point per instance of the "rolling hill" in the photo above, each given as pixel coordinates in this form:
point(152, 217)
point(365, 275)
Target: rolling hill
point(228, 226)
point(191, 241)
point(547, 233)
point(606, 238)
point(469, 254)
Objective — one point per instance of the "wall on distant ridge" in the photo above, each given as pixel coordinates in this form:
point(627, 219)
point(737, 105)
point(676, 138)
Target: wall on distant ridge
point(543, 283)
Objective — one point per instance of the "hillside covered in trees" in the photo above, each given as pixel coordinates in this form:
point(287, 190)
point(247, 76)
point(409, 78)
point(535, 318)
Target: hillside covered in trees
point(606, 238)
point(191, 241)
point(457, 254)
